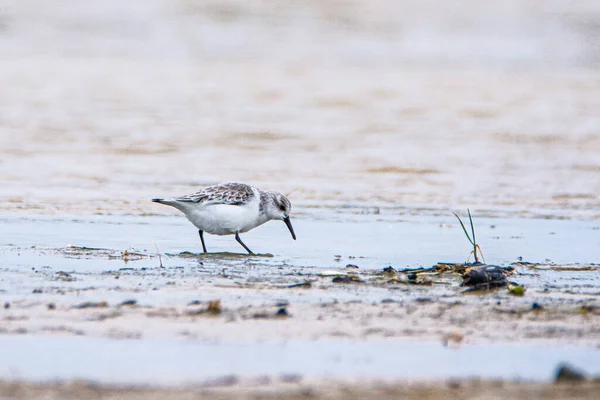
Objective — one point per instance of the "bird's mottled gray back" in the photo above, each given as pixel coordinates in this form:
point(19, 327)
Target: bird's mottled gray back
point(229, 193)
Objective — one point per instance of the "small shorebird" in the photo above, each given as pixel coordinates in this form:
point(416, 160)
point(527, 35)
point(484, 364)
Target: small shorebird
point(231, 209)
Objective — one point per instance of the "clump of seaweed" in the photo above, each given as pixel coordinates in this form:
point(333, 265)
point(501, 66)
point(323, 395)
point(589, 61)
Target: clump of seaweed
point(476, 249)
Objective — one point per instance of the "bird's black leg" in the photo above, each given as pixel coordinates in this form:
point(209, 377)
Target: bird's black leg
point(237, 237)
point(202, 240)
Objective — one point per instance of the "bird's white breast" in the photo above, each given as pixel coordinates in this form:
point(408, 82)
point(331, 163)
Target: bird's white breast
point(225, 219)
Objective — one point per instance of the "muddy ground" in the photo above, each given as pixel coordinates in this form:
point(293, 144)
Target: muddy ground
point(214, 297)
point(174, 318)
point(467, 390)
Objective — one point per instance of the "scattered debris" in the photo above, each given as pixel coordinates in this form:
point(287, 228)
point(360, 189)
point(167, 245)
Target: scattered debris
point(282, 312)
point(64, 276)
point(350, 278)
point(159, 256)
point(264, 312)
point(567, 373)
point(213, 308)
point(484, 277)
point(86, 252)
point(351, 266)
point(588, 308)
point(128, 303)
point(84, 248)
point(536, 307)
point(418, 279)
point(424, 300)
point(91, 304)
point(516, 290)
point(306, 284)
point(452, 339)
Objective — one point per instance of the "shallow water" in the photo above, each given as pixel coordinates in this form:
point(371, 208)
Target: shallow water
point(183, 362)
point(52, 266)
point(372, 242)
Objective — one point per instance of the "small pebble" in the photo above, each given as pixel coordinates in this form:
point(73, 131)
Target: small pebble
point(6, 305)
point(536, 306)
point(282, 312)
point(51, 306)
point(128, 303)
point(567, 373)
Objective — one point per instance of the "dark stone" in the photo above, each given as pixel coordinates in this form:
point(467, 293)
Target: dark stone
point(282, 312)
point(567, 373)
point(536, 306)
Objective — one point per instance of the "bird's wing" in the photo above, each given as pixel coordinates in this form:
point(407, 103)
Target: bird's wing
point(230, 193)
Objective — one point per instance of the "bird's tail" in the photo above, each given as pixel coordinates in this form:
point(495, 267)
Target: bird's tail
point(170, 202)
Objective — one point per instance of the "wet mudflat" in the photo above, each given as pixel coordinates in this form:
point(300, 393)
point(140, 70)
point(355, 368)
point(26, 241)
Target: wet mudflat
point(135, 292)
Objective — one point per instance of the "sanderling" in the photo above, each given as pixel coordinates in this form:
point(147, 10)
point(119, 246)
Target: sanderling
point(231, 209)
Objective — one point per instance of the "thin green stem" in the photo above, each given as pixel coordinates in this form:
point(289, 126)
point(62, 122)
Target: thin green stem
point(474, 242)
point(464, 228)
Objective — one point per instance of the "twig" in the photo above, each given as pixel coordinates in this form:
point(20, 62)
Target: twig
point(158, 254)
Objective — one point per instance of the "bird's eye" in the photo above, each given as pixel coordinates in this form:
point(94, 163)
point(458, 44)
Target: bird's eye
point(282, 207)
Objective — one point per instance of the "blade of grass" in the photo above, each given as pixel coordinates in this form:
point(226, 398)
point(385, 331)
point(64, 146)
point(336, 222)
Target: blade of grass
point(464, 228)
point(474, 242)
point(472, 227)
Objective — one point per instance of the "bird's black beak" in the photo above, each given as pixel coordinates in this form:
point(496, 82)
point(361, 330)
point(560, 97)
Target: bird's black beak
point(289, 225)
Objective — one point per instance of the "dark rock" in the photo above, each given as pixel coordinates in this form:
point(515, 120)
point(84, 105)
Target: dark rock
point(128, 303)
point(567, 373)
point(490, 275)
point(347, 279)
point(91, 304)
point(282, 312)
point(306, 284)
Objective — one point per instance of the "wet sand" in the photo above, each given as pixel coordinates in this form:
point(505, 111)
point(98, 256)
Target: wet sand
point(450, 390)
point(377, 118)
point(301, 311)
